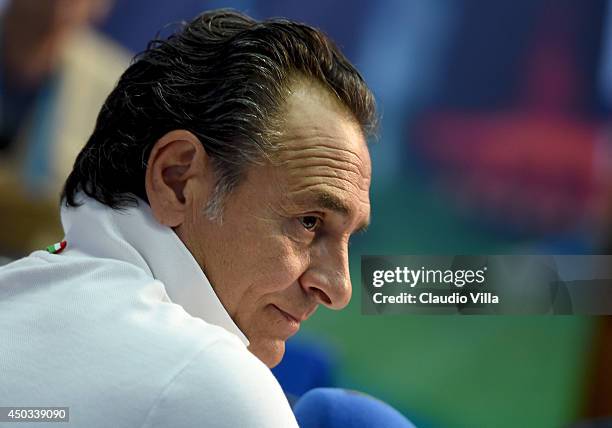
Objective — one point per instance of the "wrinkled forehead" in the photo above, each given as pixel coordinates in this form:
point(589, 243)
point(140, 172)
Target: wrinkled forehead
point(323, 152)
point(337, 150)
point(317, 124)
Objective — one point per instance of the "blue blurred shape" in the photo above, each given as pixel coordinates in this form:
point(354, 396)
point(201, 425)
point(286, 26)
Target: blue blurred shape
point(335, 408)
point(306, 365)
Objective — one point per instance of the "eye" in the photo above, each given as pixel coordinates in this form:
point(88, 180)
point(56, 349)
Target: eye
point(310, 222)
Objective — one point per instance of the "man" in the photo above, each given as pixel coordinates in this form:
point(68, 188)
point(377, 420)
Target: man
point(207, 216)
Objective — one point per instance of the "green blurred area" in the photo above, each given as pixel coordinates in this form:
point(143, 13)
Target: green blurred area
point(454, 371)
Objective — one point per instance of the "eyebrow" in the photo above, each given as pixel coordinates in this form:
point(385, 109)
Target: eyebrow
point(333, 203)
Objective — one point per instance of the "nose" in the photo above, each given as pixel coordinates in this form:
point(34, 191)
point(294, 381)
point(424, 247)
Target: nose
point(327, 278)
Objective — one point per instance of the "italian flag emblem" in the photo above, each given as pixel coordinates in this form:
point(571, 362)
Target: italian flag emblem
point(56, 248)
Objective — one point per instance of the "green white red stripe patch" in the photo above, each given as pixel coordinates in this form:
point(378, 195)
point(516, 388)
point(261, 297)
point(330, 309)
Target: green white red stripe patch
point(57, 248)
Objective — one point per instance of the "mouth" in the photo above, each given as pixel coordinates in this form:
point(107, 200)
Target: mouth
point(291, 323)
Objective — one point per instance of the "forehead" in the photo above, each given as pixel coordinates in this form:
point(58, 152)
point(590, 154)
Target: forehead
point(323, 155)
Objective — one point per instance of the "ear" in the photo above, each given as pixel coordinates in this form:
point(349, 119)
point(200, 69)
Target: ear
point(178, 177)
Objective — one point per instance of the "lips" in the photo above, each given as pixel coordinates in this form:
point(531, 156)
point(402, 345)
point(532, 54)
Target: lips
point(296, 316)
point(288, 321)
point(289, 325)
point(290, 318)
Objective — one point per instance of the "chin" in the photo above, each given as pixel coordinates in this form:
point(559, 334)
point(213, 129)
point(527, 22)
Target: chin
point(270, 352)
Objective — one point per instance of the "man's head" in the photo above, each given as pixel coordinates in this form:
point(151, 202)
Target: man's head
point(249, 140)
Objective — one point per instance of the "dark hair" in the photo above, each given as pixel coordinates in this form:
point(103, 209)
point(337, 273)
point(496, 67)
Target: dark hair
point(223, 77)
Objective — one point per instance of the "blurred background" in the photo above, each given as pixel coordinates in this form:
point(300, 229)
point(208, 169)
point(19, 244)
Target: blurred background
point(495, 139)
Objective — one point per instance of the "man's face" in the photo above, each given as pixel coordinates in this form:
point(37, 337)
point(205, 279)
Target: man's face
point(282, 248)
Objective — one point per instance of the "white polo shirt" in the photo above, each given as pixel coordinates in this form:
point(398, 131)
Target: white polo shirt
point(124, 328)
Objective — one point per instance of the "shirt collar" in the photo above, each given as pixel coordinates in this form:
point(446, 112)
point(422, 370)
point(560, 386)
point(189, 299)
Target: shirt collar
point(133, 235)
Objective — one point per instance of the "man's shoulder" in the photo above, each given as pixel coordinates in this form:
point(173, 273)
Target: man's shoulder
point(171, 365)
point(211, 379)
point(222, 386)
point(49, 269)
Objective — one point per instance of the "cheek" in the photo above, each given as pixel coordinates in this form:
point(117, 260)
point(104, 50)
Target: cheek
point(279, 264)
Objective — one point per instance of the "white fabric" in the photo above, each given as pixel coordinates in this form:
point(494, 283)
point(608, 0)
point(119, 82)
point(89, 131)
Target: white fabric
point(124, 328)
